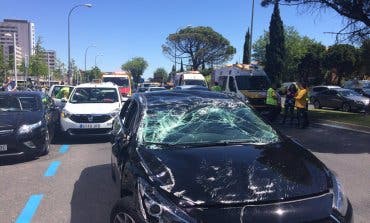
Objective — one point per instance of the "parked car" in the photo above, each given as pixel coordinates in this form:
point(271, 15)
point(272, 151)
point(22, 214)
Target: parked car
point(317, 89)
point(339, 98)
point(361, 87)
point(284, 87)
point(191, 88)
point(90, 109)
point(27, 123)
point(201, 156)
point(141, 89)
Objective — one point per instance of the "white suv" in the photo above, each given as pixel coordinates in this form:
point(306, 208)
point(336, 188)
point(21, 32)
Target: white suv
point(91, 109)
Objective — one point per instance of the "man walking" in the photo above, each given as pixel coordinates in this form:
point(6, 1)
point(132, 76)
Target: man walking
point(301, 105)
point(272, 103)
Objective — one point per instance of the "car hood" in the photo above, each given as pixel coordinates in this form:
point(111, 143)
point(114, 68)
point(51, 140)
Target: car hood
point(235, 174)
point(92, 108)
point(12, 120)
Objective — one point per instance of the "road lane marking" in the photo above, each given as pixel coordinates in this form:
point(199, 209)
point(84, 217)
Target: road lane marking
point(30, 209)
point(52, 169)
point(63, 149)
point(342, 127)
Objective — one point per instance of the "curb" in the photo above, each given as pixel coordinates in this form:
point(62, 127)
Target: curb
point(344, 125)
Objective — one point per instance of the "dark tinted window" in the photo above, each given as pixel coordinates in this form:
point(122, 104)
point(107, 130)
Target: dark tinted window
point(252, 82)
point(130, 115)
point(319, 89)
point(232, 84)
point(120, 81)
point(19, 103)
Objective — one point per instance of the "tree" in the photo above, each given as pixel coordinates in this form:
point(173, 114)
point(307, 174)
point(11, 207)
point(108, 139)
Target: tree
point(182, 66)
point(259, 48)
point(160, 75)
point(136, 66)
point(37, 65)
point(355, 13)
point(275, 49)
point(343, 58)
point(310, 67)
point(200, 45)
point(2, 64)
point(365, 57)
point(94, 73)
point(60, 70)
point(246, 53)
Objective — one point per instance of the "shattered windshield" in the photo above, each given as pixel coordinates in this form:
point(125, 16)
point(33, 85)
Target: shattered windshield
point(204, 122)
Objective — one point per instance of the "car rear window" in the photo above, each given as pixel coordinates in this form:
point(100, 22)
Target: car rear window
point(94, 95)
point(19, 103)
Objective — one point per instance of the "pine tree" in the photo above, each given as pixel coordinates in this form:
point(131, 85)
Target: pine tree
point(182, 66)
point(275, 49)
point(246, 55)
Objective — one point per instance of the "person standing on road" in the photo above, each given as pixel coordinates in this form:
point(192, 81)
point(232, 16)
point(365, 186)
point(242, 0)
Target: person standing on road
point(272, 103)
point(301, 105)
point(289, 103)
point(9, 85)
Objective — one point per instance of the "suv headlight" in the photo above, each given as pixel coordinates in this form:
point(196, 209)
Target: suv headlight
point(65, 114)
point(24, 129)
point(155, 207)
point(114, 113)
point(340, 201)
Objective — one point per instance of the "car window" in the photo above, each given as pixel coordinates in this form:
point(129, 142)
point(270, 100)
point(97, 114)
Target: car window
point(232, 86)
point(203, 121)
point(94, 95)
point(252, 82)
point(130, 115)
point(19, 103)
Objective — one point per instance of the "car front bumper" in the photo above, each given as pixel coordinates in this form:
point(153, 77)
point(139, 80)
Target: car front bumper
point(31, 144)
point(73, 128)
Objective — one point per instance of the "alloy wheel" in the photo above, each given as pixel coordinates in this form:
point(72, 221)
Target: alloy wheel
point(122, 217)
point(316, 104)
point(346, 107)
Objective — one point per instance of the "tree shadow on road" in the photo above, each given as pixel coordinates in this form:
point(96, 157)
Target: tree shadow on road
point(94, 195)
point(324, 139)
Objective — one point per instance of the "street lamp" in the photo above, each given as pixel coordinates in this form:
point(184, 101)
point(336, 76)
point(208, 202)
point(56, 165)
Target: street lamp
point(14, 54)
point(251, 37)
point(69, 39)
point(91, 46)
point(188, 26)
point(99, 55)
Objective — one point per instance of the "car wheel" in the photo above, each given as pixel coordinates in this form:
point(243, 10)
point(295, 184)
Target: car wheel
point(346, 107)
point(122, 212)
point(316, 104)
point(46, 146)
point(311, 99)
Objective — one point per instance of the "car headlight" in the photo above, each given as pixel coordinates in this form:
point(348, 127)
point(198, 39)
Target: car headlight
point(24, 129)
point(367, 102)
point(65, 114)
point(340, 201)
point(155, 207)
point(114, 113)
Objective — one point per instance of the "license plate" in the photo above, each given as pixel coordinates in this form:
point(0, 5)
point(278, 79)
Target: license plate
point(3, 148)
point(90, 126)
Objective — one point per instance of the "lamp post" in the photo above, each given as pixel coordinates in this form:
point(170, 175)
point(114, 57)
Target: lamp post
point(91, 46)
point(99, 55)
point(69, 40)
point(251, 37)
point(14, 55)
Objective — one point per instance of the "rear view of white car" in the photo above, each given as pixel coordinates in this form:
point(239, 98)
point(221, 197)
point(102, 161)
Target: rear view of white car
point(91, 109)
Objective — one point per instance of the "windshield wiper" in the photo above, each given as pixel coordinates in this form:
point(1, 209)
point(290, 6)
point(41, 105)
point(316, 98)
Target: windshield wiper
point(200, 144)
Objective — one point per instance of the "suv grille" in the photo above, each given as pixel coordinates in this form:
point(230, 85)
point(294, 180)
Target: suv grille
point(90, 118)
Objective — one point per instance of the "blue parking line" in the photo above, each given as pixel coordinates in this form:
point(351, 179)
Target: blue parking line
point(63, 149)
point(52, 169)
point(30, 209)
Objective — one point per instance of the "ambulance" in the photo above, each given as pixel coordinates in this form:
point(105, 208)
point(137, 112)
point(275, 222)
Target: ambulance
point(190, 78)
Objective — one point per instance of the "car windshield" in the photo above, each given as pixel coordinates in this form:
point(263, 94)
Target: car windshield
point(94, 95)
point(252, 82)
point(57, 89)
point(141, 89)
point(204, 122)
point(348, 93)
point(120, 81)
point(19, 103)
point(195, 82)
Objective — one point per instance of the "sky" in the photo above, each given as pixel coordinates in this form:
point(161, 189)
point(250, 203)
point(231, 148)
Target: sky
point(122, 29)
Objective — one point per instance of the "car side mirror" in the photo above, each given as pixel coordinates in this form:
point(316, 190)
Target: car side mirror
point(63, 100)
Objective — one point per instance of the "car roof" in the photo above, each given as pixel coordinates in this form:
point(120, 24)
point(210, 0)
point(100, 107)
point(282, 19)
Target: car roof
point(97, 85)
point(23, 93)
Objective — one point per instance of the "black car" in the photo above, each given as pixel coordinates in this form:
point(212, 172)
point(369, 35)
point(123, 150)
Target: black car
point(27, 123)
point(319, 89)
point(200, 156)
point(339, 98)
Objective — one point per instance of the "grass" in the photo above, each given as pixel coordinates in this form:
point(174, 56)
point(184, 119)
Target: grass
point(338, 116)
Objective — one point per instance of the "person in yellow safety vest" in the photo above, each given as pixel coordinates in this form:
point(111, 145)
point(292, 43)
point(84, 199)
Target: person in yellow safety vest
point(301, 105)
point(216, 87)
point(63, 93)
point(272, 102)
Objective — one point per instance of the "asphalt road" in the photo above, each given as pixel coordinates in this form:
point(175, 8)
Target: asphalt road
point(79, 186)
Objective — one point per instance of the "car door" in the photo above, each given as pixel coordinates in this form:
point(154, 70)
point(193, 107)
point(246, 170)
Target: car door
point(50, 113)
point(334, 99)
point(323, 98)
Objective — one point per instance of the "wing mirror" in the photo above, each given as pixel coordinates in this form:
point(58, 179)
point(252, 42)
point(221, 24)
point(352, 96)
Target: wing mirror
point(63, 100)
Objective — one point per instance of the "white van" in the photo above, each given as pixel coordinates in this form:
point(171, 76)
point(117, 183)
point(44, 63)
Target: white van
point(190, 78)
point(248, 82)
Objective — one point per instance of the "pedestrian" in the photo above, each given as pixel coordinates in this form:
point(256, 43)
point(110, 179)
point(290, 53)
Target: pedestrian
point(289, 103)
point(9, 84)
point(63, 93)
point(216, 87)
point(272, 103)
point(301, 105)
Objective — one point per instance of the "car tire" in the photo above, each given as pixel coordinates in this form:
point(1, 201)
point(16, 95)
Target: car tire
point(346, 107)
point(123, 212)
point(316, 104)
point(46, 146)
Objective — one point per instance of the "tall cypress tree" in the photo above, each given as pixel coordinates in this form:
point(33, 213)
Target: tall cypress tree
point(275, 49)
point(182, 66)
point(246, 54)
